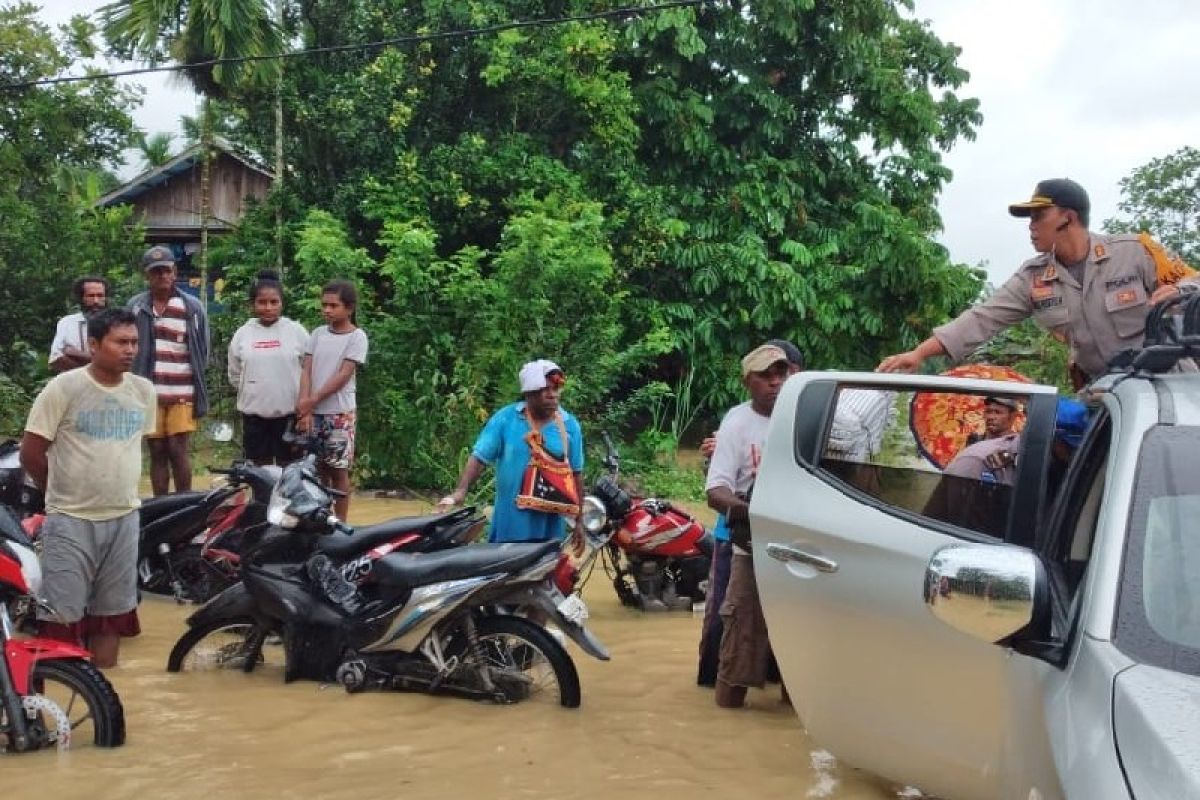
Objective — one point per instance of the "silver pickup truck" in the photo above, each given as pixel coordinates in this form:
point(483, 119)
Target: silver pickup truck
point(1037, 637)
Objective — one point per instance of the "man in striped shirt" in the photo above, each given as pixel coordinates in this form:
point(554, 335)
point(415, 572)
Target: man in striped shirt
point(173, 348)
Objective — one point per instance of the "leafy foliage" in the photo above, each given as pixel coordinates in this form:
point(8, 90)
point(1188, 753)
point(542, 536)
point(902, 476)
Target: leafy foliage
point(642, 200)
point(1032, 352)
point(1163, 197)
point(57, 144)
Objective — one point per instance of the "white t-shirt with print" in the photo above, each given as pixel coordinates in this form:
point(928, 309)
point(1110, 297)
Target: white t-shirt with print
point(95, 434)
point(264, 366)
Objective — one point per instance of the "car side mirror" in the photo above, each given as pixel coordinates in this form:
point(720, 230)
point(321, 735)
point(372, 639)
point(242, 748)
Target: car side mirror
point(991, 592)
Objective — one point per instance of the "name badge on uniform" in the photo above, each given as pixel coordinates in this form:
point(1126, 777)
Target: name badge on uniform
point(1051, 272)
point(1100, 252)
point(1039, 290)
point(1126, 296)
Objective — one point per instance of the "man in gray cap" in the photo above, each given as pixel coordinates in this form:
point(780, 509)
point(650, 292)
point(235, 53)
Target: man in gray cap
point(1089, 290)
point(173, 348)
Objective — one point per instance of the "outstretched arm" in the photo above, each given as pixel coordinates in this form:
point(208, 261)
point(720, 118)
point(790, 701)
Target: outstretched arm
point(470, 472)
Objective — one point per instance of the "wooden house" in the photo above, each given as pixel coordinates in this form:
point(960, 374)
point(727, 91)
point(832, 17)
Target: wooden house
point(166, 199)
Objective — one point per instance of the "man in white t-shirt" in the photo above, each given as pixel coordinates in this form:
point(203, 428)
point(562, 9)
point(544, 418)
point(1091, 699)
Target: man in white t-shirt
point(745, 651)
point(83, 447)
point(69, 349)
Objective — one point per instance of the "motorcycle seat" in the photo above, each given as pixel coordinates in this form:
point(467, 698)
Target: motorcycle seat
point(340, 548)
point(158, 507)
point(409, 570)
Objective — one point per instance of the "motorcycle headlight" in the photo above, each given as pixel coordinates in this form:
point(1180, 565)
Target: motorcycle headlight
point(593, 515)
point(277, 513)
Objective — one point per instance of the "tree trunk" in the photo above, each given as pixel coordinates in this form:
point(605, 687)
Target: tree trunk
point(279, 151)
point(206, 137)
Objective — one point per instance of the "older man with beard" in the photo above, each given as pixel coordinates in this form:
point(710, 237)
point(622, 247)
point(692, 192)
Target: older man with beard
point(69, 349)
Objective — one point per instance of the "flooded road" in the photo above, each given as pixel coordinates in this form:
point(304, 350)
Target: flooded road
point(644, 730)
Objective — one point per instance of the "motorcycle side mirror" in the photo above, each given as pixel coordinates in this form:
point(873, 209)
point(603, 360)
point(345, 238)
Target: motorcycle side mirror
point(611, 459)
point(219, 431)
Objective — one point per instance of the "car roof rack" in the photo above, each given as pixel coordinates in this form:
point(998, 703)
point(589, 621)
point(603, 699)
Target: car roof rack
point(1172, 334)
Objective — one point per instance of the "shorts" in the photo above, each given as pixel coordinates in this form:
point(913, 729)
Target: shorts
point(262, 439)
point(173, 419)
point(336, 432)
point(89, 568)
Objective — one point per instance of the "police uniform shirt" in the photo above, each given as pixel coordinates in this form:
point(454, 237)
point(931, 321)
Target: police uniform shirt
point(1097, 318)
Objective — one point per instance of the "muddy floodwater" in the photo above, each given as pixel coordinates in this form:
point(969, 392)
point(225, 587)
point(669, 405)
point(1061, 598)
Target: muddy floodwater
point(645, 730)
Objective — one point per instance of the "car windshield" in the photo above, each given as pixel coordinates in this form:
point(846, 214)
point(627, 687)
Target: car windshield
point(1158, 619)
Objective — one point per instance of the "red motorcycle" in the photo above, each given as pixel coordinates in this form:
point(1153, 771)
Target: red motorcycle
point(50, 693)
point(656, 554)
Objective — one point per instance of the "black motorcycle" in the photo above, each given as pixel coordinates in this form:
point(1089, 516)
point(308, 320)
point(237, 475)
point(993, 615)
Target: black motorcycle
point(17, 490)
point(178, 552)
point(454, 621)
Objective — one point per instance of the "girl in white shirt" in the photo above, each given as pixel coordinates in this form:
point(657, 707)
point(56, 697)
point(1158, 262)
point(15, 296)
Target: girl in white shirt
point(264, 367)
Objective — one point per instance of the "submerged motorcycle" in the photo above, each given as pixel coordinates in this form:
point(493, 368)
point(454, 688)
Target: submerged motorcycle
point(51, 696)
point(189, 541)
point(656, 554)
point(446, 621)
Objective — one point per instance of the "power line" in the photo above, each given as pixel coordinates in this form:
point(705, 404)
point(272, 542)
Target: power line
point(468, 33)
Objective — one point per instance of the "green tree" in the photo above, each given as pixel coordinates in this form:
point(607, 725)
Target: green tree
point(1163, 198)
point(58, 147)
point(155, 149)
point(730, 174)
point(200, 32)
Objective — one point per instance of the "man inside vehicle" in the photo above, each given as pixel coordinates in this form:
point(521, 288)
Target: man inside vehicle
point(975, 488)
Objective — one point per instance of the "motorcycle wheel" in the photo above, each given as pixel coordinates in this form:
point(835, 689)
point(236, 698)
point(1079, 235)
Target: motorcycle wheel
point(86, 698)
point(226, 644)
point(527, 662)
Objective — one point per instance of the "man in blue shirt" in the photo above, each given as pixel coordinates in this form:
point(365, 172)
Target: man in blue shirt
point(536, 448)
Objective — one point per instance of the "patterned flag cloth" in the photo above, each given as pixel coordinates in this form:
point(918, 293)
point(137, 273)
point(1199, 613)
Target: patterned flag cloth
point(548, 483)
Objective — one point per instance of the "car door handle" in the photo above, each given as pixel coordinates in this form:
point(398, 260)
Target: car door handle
point(785, 552)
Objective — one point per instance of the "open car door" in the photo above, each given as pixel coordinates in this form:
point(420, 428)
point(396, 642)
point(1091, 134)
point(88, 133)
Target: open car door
point(859, 485)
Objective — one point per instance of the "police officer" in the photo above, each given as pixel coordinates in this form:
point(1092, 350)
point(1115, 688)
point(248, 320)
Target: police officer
point(1089, 290)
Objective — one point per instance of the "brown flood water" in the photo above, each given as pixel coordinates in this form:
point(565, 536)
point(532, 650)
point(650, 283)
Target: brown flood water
point(644, 730)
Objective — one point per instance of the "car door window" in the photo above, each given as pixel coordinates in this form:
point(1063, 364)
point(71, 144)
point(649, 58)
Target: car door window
point(1076, 486)
point(931, 454)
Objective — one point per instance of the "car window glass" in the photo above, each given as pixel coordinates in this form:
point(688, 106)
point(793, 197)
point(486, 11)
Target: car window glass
point(1158, 611)
point(1170, 564)
point(934, 454)
point(1075, 486)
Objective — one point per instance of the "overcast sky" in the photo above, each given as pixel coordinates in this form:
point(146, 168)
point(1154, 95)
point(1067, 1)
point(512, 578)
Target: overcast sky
point(1088, 89)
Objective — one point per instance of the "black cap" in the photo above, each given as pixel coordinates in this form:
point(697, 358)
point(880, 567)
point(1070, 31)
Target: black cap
point(794, 356)
point(1061, 192)
point(1007, 402)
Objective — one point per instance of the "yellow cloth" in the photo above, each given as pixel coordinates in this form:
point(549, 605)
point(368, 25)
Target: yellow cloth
point(95, 434)
point(1168, 267)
